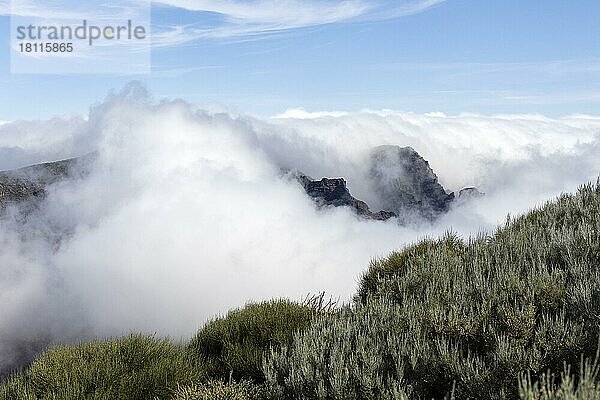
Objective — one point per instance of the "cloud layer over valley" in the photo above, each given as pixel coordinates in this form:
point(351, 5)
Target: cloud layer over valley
point(185, 213)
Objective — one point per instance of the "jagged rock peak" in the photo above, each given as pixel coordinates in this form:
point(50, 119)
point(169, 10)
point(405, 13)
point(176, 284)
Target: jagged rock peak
point(334, 192)
point(405, 183)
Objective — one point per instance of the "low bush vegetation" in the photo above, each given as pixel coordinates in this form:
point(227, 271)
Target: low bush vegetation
point(233, 347)
point(135, 367)
point(461, 317)
point(491, 317)
point(217, 390)
point(568, 386)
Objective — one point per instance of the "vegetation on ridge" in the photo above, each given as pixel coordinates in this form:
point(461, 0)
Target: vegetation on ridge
point(466, 317)
point(511, 315)
point(234, 346)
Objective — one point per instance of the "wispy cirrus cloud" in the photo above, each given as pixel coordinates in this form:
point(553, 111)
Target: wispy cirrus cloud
point(276, 13)
point(64, 10)
point(236, 19)
point(251, 18)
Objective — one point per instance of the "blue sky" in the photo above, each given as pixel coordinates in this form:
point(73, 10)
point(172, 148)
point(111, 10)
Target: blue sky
point(266, 56)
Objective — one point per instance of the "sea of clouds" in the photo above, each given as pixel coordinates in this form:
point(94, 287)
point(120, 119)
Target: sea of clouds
point(185, 213)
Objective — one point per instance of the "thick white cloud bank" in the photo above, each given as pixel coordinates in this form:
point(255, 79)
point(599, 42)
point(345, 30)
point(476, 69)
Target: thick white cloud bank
point(185, 213)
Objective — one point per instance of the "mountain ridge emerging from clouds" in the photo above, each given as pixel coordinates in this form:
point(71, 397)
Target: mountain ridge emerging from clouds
point(402, 179)
point(29, 183)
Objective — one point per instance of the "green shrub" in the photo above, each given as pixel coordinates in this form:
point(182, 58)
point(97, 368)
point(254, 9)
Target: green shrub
point(217, 390)
point(468, 316)
point(351, 355)
point(135, 367)
point(381, 272)
point(569, 386)
point(233, 346)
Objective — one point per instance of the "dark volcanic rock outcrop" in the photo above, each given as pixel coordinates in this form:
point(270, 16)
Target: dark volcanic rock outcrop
point(405, 183)
point(17, 190)
point(334, 192)
point(402, 181)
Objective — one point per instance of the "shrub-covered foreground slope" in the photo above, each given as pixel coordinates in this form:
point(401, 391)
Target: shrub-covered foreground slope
point(464, 317)
point(511, 315)
point(141, 367)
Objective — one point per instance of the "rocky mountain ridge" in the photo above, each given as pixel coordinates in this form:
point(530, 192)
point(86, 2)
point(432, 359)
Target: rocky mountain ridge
point(334, 192)
point(401, 179)
point(28, 184)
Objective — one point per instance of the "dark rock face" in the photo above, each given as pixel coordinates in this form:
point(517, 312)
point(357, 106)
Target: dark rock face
point(16, 190)
point(406, 184)
point(334, 192)
point(403, 181)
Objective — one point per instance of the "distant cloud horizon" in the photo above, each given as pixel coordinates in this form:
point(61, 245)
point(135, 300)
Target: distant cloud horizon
point(264, 57)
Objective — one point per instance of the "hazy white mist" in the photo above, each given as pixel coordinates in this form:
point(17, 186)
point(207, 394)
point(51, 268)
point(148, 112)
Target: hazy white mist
point(186, 215)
